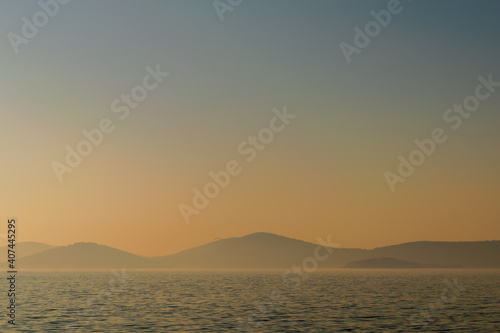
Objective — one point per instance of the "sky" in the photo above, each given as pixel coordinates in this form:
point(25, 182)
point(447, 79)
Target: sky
point(325, 171)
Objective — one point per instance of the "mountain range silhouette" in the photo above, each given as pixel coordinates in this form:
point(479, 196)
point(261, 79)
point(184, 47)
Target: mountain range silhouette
point(262, 251)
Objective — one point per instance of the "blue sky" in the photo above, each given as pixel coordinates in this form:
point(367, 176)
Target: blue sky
point(226, 77)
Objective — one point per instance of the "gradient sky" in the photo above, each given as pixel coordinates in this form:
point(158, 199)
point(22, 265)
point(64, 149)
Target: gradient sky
point(322, 175)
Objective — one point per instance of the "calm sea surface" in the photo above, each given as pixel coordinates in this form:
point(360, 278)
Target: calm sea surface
point(236, 301)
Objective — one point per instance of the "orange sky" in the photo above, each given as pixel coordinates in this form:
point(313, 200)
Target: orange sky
point(322, 174)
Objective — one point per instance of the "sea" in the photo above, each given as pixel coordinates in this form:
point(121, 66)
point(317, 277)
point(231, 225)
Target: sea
point(418, 300)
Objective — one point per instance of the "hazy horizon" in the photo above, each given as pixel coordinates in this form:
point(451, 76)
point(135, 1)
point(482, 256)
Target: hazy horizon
point(267, 251)
point(259, 232)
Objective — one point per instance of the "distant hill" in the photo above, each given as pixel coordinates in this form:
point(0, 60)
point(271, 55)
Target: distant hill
point(84, 256)
point(384, 263)
point(484, 254)
point(24, 249)
point(259, 250)
point(265, 250)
